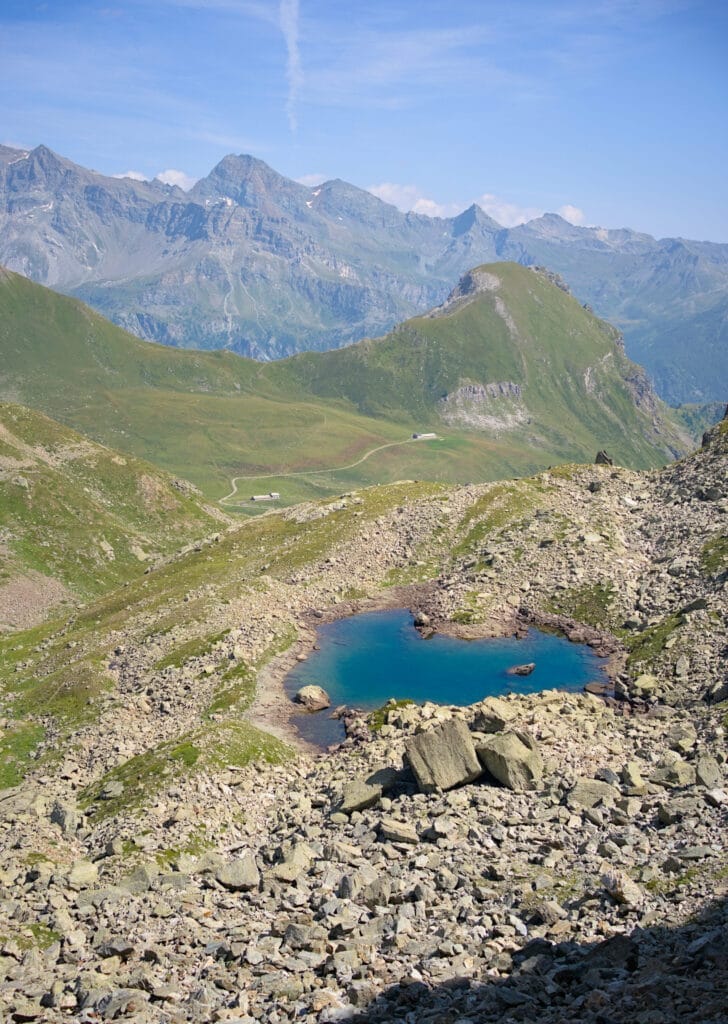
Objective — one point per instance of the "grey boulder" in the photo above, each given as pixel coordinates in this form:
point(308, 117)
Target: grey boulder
point(358, 795)
point(313, 698)
point(239, 874)
point(511, 760)
point(492, 715)
point(443, 757)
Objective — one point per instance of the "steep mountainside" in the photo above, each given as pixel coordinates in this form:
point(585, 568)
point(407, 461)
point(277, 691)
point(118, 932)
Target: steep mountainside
point(77, 519)
point(163, 858)
point(506, 351)
point(668, 297)
point(255, 262)
point(512, 374)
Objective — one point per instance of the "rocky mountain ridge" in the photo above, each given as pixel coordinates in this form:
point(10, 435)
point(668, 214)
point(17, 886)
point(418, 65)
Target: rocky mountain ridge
point(332, 887)
point(255, 262)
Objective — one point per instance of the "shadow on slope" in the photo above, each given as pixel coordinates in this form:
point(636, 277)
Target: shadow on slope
point(655, 975)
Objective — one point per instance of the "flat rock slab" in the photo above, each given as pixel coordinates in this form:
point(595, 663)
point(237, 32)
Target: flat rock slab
point(588, 793)
point(358, 795)
point(443, 757)
point(397, 831)
point(521, 670)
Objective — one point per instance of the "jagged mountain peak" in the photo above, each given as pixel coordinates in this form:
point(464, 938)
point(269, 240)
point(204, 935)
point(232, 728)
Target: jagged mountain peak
point(42, 165)
point(42, 169)
point(9, 154)
point(473, 217)
point(551, 225)
point(246, 180)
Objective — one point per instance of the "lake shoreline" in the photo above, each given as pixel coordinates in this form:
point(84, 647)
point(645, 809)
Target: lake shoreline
point(274, 710)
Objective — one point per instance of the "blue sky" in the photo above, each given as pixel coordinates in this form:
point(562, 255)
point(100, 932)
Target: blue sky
point(611, 111)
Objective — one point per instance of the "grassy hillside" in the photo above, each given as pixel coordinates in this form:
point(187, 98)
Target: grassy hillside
point(576, 383)
point(699, 417)
point(55, 678)
point(77, 518)
point(214, 416)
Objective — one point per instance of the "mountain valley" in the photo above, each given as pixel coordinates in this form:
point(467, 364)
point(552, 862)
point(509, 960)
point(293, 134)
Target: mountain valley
point(512, 375)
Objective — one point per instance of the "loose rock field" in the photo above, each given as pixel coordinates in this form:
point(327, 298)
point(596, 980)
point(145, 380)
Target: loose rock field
point(553, 857)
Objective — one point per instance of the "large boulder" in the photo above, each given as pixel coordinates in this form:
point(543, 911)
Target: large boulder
point(65, 815)
point(82, 874)
point(644, 686)
point(707, 772)
point(313, 698)
point(492, 715)
point(443, 757)
point(511, 760)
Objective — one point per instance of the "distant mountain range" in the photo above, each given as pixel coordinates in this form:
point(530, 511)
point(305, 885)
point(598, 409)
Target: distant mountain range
point(252, 261)
point(509, 376)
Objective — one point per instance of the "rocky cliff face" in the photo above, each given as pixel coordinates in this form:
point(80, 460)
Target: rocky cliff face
point(152, 873)
point(253, 261)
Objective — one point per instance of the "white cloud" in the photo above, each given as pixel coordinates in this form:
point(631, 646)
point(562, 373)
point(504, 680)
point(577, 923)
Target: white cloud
point(134, 175)
point(571, 213)
point(367, 61)
point(178, 178)
point(506, 213)
point(288, 21)
point(410, 197)
point(170, 177)
point(312, 180)
point(429, 208)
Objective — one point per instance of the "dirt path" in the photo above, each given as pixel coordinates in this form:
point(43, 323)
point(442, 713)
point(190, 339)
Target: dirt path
point(315, 472)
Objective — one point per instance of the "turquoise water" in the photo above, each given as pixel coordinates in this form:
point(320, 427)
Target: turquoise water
point(366, 659)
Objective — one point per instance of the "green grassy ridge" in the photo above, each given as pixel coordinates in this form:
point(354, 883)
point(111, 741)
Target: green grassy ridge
point(210, 416)
point(17, 746)
point(82, 513)
point(207, 416)
point(230, 743)
point(714, 556)
point(555, 342)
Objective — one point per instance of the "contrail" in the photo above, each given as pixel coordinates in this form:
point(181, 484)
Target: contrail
point(288, 19)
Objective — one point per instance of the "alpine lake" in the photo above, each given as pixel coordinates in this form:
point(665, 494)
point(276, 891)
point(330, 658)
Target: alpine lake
point(366, 659)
